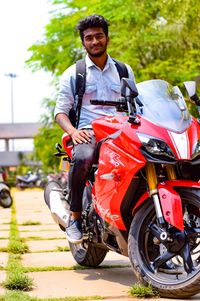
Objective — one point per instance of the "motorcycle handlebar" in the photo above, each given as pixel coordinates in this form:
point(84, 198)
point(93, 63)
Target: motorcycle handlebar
point(120, 101)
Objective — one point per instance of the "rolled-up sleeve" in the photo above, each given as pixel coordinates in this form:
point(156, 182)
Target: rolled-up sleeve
point(66, 94)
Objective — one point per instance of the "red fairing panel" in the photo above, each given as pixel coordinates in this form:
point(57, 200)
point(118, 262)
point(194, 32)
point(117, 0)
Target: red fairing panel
point(171, 205)
point(115, 172)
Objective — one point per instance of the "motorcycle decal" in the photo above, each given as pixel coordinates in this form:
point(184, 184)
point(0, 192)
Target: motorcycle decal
point(181, 144)
point(114, 158)
point(105, 212)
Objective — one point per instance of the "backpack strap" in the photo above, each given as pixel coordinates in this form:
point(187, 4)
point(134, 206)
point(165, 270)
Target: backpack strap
point(121, 68)
point(81, 82)
point(80, 86)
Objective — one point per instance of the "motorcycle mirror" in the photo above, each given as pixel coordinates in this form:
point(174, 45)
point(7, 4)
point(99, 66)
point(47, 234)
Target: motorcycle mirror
point(130, 84)
point(191, 90)
point(190, 87)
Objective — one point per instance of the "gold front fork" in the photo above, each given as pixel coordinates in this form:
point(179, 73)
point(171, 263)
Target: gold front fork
point(151, 178)
point(152, 183)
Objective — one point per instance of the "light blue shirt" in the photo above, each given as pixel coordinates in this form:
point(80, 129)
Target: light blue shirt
point(100, 84)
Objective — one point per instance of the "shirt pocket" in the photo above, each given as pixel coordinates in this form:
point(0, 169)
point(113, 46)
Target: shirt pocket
point(116, 88)
point(90, 89)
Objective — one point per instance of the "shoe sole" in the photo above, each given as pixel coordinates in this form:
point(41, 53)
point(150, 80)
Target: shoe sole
point(74, 241)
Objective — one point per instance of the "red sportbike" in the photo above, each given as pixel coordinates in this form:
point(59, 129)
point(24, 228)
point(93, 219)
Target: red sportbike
point(142, 197)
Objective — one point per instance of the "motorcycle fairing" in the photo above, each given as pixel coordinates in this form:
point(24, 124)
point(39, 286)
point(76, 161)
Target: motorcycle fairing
point(170, 200)
point(115, 172)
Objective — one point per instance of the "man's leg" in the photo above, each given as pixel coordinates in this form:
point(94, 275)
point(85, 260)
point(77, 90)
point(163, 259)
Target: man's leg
point(83, 158)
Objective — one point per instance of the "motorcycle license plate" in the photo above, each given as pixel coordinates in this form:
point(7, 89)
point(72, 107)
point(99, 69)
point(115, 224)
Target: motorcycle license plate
point(64, 163)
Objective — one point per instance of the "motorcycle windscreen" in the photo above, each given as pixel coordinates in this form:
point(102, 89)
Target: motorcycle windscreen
point(163, 105)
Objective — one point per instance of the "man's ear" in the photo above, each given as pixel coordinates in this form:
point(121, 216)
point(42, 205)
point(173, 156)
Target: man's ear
point(83, 45)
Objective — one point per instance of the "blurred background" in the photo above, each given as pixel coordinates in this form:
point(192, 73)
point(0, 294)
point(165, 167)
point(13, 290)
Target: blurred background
point(159, 39)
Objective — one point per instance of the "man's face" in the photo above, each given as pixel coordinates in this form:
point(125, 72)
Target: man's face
point(95, 41)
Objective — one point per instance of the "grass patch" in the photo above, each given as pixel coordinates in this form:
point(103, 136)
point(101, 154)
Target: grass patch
point(42, 238)
point(18, 281)
point(70, 268)
point(17, 247)
point(140, 291)
point(30, 223)
point(16, 278)
point(47, 269)
point(62, 249)
point(21, 296)
point(3, 249)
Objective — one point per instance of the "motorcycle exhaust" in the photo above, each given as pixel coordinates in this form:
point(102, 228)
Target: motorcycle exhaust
point(57, 203)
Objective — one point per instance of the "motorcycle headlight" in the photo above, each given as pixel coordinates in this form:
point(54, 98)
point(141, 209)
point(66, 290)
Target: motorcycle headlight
point(155, 146)
point(196, 149)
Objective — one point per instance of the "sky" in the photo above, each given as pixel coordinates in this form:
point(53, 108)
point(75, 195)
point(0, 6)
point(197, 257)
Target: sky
point(22, 23)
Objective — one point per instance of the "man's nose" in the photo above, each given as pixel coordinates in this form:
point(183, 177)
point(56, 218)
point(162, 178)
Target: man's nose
point(94, 40)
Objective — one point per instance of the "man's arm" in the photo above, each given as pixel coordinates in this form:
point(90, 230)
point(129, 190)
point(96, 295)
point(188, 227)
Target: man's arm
point(78, 136)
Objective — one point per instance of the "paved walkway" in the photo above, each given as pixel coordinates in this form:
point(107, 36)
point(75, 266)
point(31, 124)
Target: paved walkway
point(45, 240)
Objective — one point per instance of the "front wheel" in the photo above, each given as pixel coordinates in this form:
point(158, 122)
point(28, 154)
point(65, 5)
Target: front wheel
point(171, 279)
point(5, 199)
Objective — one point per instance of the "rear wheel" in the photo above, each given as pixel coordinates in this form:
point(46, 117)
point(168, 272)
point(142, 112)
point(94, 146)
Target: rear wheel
point(145, 250)
point(87, 254)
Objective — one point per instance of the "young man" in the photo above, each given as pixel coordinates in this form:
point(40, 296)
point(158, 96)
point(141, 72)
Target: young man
point(102, 82)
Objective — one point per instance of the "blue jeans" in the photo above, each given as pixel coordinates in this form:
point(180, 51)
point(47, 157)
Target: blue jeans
point(82, 160)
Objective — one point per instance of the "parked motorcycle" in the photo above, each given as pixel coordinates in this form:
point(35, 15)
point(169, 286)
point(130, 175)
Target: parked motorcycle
point(142, 197)
point(30, 180)
point(5, 196)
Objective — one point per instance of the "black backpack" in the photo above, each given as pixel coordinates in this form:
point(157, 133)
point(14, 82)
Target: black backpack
point(74, 114)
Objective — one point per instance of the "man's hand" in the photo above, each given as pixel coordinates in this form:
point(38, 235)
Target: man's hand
point(80, 136)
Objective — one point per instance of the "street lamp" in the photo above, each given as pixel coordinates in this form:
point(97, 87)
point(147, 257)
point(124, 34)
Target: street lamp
point(11, 75)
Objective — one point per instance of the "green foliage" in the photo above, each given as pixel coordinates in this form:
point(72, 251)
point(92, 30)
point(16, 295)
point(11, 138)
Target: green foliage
point(49, 134)
point(158, 39)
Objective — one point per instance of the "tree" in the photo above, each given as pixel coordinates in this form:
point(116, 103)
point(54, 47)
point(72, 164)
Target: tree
point(159, 39)
point(45, 141)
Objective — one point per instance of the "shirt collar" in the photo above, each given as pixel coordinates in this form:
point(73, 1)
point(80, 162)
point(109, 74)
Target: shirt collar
point(89, 62)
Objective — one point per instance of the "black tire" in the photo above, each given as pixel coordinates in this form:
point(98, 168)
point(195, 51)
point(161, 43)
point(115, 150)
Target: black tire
point(143, 250)
point(87, 254)
point(5, 199)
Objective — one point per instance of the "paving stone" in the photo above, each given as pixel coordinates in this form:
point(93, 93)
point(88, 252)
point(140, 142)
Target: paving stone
point(35, 218)
point(44, 234)
point(103, 282)
point(46, 245)
point(5, 227)
point(4, 243)
point(3, 259)
point(66, 259)
point(111, 283)
point(50, 227)
point(4, 234)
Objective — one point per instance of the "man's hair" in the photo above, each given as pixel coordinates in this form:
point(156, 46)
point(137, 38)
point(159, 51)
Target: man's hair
point(92, 21)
